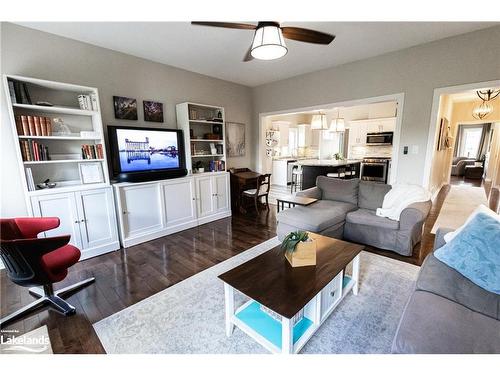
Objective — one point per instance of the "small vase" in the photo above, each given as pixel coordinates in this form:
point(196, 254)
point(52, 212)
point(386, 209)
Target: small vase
point(303, 255)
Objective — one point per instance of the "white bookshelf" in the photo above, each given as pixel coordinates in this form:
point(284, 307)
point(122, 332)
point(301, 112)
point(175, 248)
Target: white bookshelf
point(86, 211)
point(196, 122)
point(64, 97)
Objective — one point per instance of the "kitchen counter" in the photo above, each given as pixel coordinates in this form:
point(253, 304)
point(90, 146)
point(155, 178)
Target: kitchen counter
point(328, 162)
point(311, 169)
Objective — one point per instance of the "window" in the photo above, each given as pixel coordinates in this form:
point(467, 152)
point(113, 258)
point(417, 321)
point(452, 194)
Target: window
point(470, 140)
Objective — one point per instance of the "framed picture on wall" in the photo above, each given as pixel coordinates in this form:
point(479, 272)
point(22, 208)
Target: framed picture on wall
point(125, 108)
point(443, 134)
point(153, 111)
point(235, 139)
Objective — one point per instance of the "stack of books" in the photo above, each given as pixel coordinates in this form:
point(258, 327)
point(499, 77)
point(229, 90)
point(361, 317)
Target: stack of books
point(34, 151)
point(92, 152)
point(33, 125)
point(217, 165)
point(88, 102)
point(19, 92)
point(29, 180)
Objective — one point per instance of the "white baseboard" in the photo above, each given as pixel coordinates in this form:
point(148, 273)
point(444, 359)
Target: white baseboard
point(435, 194)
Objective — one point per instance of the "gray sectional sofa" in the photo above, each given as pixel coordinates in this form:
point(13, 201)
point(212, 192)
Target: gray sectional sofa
point(458, 165)
point(448, 313)
point(346, 209)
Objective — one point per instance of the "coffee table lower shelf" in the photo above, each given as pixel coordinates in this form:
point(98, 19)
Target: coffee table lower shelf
point(272, 331)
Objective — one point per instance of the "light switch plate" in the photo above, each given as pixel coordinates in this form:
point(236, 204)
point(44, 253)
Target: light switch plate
point(414, 149)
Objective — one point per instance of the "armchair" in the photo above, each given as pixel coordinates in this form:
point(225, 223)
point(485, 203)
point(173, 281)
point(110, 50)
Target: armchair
point(38, 262)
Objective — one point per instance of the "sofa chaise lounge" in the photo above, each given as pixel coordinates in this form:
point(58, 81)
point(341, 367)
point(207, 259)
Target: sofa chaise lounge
point(346, 209)
point(448, 313)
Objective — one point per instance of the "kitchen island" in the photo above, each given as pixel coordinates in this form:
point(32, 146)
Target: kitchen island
point(314, 168)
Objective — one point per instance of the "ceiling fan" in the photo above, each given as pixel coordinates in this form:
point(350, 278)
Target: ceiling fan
point(268, 41)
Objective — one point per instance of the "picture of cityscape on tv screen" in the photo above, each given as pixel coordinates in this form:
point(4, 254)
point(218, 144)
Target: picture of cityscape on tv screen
point(147, 150)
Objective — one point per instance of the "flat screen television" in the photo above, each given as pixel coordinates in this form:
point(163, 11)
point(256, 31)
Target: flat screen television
point(146, 154)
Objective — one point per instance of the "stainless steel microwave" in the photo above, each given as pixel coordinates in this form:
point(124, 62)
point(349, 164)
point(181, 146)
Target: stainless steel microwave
point(384, 138)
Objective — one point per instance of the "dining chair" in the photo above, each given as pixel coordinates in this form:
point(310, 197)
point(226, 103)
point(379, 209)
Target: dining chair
point(261, 190)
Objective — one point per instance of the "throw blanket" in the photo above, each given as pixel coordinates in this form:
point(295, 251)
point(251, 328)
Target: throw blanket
point(400, 197)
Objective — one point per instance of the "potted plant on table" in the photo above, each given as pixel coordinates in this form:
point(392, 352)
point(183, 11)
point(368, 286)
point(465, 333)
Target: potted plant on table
point(299, 249)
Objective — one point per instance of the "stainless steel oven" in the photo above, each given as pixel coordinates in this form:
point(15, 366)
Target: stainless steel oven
point(384, 138)
point(375, 169)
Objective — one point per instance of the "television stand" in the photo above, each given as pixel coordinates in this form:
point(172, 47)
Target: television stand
point(151, 175)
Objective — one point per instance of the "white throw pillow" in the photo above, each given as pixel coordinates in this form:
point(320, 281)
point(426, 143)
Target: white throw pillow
point(481, 208)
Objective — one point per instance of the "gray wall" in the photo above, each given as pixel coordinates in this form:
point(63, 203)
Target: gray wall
point(37, 54)
point(417, 71)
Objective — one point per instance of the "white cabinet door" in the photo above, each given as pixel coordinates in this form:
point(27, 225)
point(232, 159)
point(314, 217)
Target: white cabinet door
point(62, 206)
point(179, 197)
point(97, 217)
point(142, 209)
point(221, 183)
point(205, 196)
point(374, 127)
point(280, 172)
point(388, 125)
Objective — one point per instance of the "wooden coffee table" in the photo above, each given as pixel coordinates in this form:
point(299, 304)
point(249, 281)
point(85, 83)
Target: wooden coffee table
point(287, 305)
point(294, 200)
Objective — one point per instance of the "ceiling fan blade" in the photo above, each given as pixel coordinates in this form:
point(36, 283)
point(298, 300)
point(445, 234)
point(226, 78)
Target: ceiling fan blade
point(306, 35)
point(228, 25)
point(248, 55)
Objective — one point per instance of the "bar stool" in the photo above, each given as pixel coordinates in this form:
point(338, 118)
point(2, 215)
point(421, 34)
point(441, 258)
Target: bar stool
point(296, 178)
point(339, 174)
point(350, 172)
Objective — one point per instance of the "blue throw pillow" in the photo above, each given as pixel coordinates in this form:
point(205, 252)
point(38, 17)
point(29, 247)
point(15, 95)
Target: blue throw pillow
point(475, 252)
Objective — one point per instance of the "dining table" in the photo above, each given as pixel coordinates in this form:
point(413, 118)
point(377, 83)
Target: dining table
point(241, 181)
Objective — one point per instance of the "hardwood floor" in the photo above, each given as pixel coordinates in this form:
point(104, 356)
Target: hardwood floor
point(125, 277)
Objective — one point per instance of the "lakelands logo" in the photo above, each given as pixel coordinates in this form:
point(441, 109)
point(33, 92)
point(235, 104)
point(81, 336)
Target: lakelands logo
point(24, 343)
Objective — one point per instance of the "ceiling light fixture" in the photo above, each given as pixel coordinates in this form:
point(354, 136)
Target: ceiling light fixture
point(318, 122)
point(338, 124)
point(482, 110)
point(268, 42)
point(487, 95)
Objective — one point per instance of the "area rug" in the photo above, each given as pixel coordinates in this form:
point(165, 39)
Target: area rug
point(458, 205)
point(189, 316)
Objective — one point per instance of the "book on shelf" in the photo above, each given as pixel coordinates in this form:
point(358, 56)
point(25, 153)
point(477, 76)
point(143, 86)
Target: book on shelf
point(33, 125)
point(18, 92)
point(34, 151)
point(88, 102)
point(92, 152)
point(12, 92)
point(217, 165)
point(29, 179)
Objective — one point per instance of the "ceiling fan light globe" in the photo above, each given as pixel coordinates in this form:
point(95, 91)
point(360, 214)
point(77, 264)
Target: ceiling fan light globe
point(268, 43)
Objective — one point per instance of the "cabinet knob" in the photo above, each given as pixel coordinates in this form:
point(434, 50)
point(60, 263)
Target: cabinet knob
point(77, 222)
point(83, 221)
point(125, 212)
point(332, 293)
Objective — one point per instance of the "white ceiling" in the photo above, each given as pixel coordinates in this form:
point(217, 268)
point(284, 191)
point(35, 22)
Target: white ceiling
point(219, 52)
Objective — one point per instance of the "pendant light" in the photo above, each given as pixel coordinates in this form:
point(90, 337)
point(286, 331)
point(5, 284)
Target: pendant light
point(268, 42)
point(318, 122)
point(338, 124)
point(482, 110)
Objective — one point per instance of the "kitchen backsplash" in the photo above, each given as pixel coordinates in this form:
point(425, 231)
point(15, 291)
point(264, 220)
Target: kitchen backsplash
point(360, 152)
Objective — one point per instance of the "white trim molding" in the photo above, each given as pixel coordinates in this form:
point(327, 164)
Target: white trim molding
point(431, 138)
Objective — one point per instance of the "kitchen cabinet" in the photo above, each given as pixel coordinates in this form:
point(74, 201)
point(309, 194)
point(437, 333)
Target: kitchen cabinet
point(87, 215)
point(357, 134)
point(280, 172)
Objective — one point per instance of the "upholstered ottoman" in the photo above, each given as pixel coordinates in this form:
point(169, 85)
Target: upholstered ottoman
point(471, 171)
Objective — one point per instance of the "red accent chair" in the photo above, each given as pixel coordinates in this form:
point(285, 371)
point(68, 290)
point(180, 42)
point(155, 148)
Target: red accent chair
point(38, 262)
